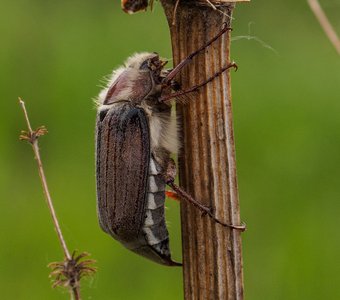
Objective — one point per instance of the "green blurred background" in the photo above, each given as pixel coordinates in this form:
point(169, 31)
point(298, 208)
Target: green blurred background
point(287, 127)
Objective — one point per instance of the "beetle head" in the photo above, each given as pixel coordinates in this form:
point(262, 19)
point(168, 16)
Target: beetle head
point(148, 62)
point(141, 77)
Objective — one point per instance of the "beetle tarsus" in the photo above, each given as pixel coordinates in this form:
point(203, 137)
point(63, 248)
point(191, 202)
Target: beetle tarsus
point(241, 227)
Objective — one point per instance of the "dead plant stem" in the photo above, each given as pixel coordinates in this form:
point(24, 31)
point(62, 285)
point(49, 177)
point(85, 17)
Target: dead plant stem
point(35, 146)
point(325, 23)
point(75, 293)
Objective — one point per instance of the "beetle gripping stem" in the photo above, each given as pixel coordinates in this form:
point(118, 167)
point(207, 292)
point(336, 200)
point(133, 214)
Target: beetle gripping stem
point(206, 210)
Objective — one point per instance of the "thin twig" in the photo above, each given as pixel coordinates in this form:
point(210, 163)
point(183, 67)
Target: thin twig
point(68, 272)
point(33, 139)
point(325, 23)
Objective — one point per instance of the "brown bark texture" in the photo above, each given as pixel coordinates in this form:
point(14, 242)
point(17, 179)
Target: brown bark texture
point(212, 254)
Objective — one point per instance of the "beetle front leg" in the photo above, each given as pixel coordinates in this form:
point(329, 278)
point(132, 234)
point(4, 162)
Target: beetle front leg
point(169, 177)
point(179, 93)
point(171, 75)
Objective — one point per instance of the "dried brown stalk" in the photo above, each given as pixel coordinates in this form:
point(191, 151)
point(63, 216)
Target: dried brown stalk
point(212, 254)
point(325, 23)
point(68, 272)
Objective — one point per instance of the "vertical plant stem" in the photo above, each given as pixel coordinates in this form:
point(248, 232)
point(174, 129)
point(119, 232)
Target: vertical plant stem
point(212, 254)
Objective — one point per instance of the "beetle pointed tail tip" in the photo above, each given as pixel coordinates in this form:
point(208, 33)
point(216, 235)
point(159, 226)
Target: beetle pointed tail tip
point(175, 264)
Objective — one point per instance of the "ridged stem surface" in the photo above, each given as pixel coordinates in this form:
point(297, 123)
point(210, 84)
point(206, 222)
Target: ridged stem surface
point(211, 253)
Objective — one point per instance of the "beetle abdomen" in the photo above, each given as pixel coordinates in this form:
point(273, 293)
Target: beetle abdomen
point(154, 227)
point(154, 224)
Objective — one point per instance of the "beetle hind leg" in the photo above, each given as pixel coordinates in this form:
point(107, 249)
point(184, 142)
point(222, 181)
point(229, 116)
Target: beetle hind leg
point(169, 177)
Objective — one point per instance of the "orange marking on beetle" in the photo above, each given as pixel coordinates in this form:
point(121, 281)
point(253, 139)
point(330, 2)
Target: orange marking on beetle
point(172, 195)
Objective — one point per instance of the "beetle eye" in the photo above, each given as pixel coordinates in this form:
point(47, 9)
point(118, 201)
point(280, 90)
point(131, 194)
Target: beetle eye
point(144, 65)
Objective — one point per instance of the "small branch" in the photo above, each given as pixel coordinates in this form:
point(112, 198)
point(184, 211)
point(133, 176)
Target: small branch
point(68, 272)
point(325, 23)
point(32, 137)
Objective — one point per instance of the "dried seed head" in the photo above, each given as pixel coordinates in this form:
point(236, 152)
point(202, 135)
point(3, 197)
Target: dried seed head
point(68, 273)
point(31, 137)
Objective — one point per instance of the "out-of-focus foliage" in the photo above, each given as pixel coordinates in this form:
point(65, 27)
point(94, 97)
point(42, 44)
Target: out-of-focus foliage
point(287, 127)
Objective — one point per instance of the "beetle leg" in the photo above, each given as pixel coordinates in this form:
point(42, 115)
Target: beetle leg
point(170, 171)
point(188, 59)
point(169, 177)
point(197, 86)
